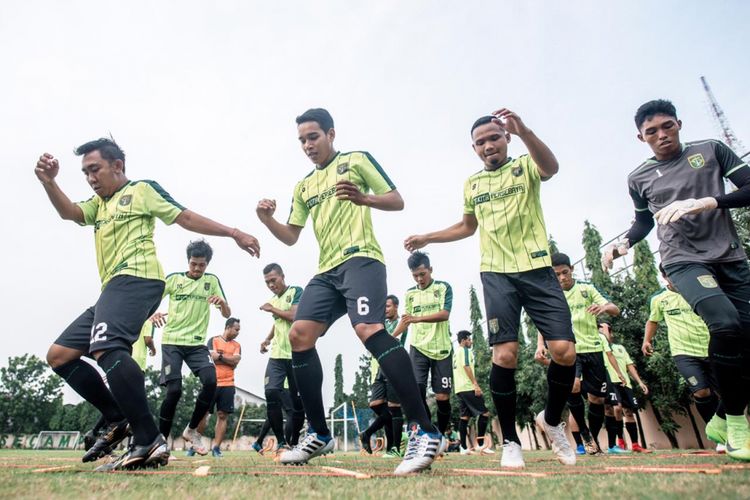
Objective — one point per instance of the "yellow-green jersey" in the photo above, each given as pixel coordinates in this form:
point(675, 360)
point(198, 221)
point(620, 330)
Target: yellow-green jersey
point(508, 208)
point(431, 339)
point(140, 351)
point(580, 297)
point(281, 348)
point(623, 360)
point(189, 309)
point(462, 357)
point(124, 229)
point(343, 229)
point(686, 331)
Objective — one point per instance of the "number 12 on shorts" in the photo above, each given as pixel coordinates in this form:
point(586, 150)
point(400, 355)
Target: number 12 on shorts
point(98, 331)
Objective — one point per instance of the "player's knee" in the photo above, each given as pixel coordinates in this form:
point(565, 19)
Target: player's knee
point(56, 357)
point(597, 400)
point(273, 396)
point(628, 413)
point(576, 386)
point(563, 352)
point(376, 402)
point(609, 410)
point(504, 356)
point(442, 397)
point(702, 393)
point(222, 415)
point(721, 318)
point(208, 378)
point(174, 389)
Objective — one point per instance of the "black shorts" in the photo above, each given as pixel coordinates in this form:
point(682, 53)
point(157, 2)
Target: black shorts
point(115, 321)
point(356, 287)
point(626, 397)
point(470, 405)
point(612, 398)
point(592, 372)
point(538, 292)
point(439, 370)
point(223, 400)
point(382, 390)
point(196, 357)
point(277, 371)
point(696, 371)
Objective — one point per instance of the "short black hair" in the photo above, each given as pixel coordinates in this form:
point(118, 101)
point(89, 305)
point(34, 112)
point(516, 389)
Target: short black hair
point(108, 149)
point(560, 259)
point(463, 335)
point(393, 299)
point(273, 267)
point(417, 259)
point(319, 115)
point(484, 120)
point(230, 322)
point(653, 108)
point(198, 249)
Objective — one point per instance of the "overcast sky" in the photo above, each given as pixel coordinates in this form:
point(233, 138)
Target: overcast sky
point(202, 96)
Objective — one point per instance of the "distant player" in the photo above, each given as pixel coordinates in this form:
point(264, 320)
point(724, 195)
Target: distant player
point(682, 187)
point(123, 214)
point(351, 280)
point(191, 295)
point(503, 201)
point(469, 394)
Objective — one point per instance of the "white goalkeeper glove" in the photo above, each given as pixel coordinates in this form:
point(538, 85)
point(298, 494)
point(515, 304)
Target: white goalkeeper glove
point(612, 252)
point(677, 209)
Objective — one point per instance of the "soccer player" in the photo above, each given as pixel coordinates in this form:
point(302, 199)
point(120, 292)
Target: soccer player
point(226, 353)
point(191, 295)
point(144, 345)
point(351, 280)
point(503, 200)
point(469, 394)
point(682, 187)
point(282, 306)
point(688, 337)
point(426, 311)
point(122, 213)
point(586, 302)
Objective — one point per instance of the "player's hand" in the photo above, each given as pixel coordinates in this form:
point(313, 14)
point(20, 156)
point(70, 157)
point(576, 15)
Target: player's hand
point(247, 242)
point(477, 391)
point(611, 253)
point(264, 347)
point(622, 379)
point(158, 319)
point(415, 242)
point(678, 209)
point(540, 354)
point(595, 309)
point(510, 121)
point(347, 190)
point(408, 319)
point(151, 351)
point(647, 349)
point(644, 388)
point(46, 168)
point(216, 300)
point(265, 209)
point(267, 307)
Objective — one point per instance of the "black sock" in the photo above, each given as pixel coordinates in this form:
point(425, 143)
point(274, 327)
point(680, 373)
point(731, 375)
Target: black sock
point(379, 421)
point(577, 438)
point(503, 388)
point(395, 363)
point(423, 395)
point(128, 387)
point(169, 406)
point(98, 425)
point(86, 381)
point(596, 419)
point(298, 419)
point(632, 428)
point(443, 414)
point(397, 419)
point(387, 427)
point(263, 431)
point(482, 422)
point(275, 414)
point(706, 406)
point(309, 376)
point(463, 426)
point(559, 383)
point(578, 410)
point(620, 428)
point(205, 396)
point(720, 410)
point(611, 425)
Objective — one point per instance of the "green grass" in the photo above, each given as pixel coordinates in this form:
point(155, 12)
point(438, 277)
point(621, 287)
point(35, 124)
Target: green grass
point(245, 474)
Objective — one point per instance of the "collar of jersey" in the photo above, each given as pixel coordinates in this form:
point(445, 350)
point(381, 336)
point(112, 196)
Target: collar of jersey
point(682, 150)
point(118, 190)
point(322, 167)
point(190, 277)
point(508, 161)
point(432, 281)
point(285, 289)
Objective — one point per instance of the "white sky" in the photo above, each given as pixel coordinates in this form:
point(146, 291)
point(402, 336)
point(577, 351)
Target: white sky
point(202, 96)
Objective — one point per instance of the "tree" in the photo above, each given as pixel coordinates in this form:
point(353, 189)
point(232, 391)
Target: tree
point(361, 385)
point(552, 245)
point(592, 243)
point(741, 218)
point(338, 382)
point(29, 395)
point(482, 352)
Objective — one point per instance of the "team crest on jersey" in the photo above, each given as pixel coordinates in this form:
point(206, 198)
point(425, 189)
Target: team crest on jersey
point(125, 200)
point(289, 299)
point(494, 325)
point(696, 161)
point(342, 169)
point(436, 293)
point(707, 281)
point(206, 286)
point(584, 294)
point(517, 172)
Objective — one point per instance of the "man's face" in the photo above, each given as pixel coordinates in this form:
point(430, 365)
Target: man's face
point(662, 134)
point(423, 276)
point(275, 282)
point(466, 342)
point(606, 331)
point(103, 176)
point(232, 332)
point(391, 309)
point(564, 276)
point(196, 267)
point(490, 143)
point(316, 144)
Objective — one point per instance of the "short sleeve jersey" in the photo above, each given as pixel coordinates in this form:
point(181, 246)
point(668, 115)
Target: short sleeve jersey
point(463, 356)
point(698, 171)
point(623, 360)
point(189, 309)
point(686, 331)
point(140, 350)
point(224, 373)
point(281, 348)
point(431, 339)
point(343, 229)
point(124, 229)
point(580, 297)
point(506, 203)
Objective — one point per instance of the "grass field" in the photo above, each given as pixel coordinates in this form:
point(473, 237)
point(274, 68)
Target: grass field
point(663, 475)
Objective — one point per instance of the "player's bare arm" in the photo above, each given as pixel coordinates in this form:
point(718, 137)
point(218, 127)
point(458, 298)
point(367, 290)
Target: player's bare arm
point(159, 319)
point(608, 308)
point(285, 233)
point(278, 313)
point(647, 348)
point(46, 170)
point(390, 201)
point(437, 317)
point(267, 341)
point(540, 153)
point(197, 223)
point(149, 341)
point(463, 229)
point(226, 311)
point(616, 366)
point(633, 371)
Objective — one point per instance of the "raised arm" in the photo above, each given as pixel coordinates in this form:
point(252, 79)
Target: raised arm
point(193, 221)
point(539, 152)
point(463, 229)
point(46, 170)
point(286, 233)
point(389, 202)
